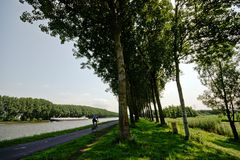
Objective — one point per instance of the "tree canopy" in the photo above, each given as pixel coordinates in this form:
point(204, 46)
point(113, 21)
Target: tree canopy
point(137, 46)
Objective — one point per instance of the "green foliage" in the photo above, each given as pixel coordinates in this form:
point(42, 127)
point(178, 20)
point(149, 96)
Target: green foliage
point(149, 141)
point(176, 111)
point(207, 123)
point(12, 108)
point(209, 112)
point(222, 78)
point(216, 28)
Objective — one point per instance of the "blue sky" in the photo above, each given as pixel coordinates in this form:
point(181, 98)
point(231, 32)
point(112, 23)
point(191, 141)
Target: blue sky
point(34, 64)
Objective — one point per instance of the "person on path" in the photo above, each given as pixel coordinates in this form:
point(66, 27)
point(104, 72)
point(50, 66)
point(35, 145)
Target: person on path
point(94, 121)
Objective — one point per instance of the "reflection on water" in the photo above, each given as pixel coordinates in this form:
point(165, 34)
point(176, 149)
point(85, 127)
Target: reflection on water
point(16, 130)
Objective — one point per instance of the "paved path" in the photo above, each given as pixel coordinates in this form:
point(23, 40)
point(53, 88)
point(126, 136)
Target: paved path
point(21, 150)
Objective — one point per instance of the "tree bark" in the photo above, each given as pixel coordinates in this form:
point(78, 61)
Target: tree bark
point(154, 103)
point(150, 112)
point(175, 52)
point(156, 90)
point(149, 106)
point(132, 119)
point(122, 92)
point(184, 114)
point(137, 116)
point(232, 124)
point(122, 99)
point(130, 102)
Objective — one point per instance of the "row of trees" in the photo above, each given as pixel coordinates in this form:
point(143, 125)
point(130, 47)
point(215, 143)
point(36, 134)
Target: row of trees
point(176, 111)
point(136, 46)
point(12, 108)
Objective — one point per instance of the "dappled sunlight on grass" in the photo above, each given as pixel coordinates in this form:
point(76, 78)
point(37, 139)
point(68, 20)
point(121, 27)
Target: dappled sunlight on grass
point(228, 143)
point(149, 141)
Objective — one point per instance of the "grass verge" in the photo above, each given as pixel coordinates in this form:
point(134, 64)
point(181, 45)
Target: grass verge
point(148, 141)
point(7, 143)
point(69, 150)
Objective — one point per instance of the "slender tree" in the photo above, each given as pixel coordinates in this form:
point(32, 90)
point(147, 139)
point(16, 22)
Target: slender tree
point(180, 32)
point(222, 79)
point(95, 27)
point(214, 41)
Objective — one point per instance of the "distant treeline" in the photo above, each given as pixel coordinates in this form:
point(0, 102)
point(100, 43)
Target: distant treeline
point(210, 112)
point(176, 111)
point(12, 108)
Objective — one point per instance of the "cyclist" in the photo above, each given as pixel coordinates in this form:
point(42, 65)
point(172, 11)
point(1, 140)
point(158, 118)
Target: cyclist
point(94, 121)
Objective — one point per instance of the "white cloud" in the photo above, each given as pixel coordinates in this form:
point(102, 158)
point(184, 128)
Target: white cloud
point(108, 104)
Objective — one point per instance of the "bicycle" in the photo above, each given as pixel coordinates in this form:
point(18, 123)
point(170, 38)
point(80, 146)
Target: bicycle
point(95, 125)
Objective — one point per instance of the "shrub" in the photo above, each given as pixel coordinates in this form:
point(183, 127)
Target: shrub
point(223, 129)
point(207, 123)
point(211, 124)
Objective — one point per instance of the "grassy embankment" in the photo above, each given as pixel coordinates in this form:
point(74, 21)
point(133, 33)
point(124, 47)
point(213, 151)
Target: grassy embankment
point(149, 141)
point(211, 123)
point(7, 143)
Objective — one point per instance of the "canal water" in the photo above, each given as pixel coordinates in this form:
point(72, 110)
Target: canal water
point(17, 130)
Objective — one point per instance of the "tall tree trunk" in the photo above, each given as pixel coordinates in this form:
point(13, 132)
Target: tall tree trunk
point(233, 112)
point(150, 112)
point(122, 99)
point(154, 103)
point(136, 116)
point(135, 105)
point(184, 114)
point(142, 113)
point(130, 107)
point(147, 112)
point(132, 120)
point(156, 90)
point(232, 124)
point(175, 52)
point(130, 102)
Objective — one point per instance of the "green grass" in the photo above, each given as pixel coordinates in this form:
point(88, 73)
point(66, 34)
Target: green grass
point(7, 143)
point(149, 141)
point(69, 150)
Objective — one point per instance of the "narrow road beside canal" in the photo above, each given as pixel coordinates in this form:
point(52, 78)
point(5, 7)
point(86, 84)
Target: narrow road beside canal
point(21, 150)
